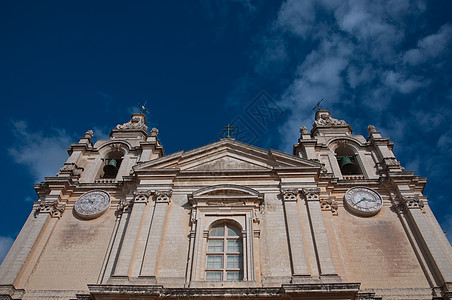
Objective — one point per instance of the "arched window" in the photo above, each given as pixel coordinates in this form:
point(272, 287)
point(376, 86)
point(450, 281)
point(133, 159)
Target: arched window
point(224, 253)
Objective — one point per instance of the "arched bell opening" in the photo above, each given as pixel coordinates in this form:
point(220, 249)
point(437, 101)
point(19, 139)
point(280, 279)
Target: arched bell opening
point(112, 162)
point(346, 158)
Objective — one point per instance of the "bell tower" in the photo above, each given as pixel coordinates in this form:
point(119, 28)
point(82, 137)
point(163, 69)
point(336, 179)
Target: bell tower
point(356, 172)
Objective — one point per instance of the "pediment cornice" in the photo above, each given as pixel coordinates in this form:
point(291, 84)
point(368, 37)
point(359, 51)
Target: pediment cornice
point(228, 155)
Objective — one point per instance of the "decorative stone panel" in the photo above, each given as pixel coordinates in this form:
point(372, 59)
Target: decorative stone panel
point(329, 204)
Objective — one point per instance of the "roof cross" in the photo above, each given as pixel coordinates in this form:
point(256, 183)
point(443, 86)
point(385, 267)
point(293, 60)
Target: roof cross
point(228, 128)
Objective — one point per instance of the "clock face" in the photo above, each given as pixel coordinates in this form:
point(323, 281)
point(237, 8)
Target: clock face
point(363, 201)
point(92, 204)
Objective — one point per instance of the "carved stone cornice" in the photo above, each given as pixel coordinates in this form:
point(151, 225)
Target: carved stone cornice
point(163, 196)
point(311, 194)
point(289, 195)
point(49, 207)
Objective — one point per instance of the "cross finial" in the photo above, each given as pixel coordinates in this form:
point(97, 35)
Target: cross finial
point(143, 108)
point(317, 105)
point(228, 128)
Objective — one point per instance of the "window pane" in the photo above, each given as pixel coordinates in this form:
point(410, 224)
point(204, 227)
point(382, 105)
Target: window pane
point(233, 231)
point(215, 246)
point(235, 246)
point(234, 276)
point(214, 262)
point(234, 261)
point(217, 231)
point(214, 276)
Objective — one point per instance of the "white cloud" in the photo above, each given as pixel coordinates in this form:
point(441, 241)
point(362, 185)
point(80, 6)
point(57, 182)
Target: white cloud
point(297, 17)
point(431, 46)
point(5, 244)
point(398, 82)
point(43, 153)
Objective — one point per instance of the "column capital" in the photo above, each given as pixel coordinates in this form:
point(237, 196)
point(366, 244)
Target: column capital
point(163, 196)
point(141, 196)
point(311, 194)
point(289, 195)
point(54, 208)
point(409, 202)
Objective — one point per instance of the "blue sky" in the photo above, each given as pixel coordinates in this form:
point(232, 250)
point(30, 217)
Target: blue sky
point(67, 67)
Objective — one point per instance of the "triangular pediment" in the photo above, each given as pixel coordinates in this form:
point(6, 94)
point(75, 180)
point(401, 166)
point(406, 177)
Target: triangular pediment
point(227, 154)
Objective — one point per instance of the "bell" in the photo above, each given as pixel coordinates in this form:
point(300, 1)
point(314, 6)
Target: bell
point(346, 160)
point(347, 166)
point(111, 169)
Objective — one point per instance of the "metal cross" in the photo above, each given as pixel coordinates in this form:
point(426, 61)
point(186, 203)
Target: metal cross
point(228, 128)
point(143, 108)
point(317, 105)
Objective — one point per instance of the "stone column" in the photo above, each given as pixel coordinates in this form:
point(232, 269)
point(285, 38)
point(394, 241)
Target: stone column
point(162, 200)
point(297, 253)
point(319, 236)
point(130, 238)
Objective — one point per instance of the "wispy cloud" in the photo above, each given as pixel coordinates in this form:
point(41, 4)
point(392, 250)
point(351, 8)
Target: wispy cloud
point(43, 153)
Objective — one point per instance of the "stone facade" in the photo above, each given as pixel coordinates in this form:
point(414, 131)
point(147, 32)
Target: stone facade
point(230, 220)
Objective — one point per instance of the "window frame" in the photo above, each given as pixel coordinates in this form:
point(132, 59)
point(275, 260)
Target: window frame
point(225, 254)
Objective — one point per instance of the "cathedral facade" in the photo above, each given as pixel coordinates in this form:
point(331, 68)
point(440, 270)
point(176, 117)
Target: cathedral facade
point(340, 218)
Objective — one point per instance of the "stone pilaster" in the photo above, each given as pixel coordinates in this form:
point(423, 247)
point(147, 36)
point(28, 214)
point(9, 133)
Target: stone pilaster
point(413, 206)
point(162, 200)
point(297, 251)
point(126, 253)
point(320, 238)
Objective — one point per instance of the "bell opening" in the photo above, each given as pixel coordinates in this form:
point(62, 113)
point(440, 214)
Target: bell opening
point(112, 164)
point(347, 161)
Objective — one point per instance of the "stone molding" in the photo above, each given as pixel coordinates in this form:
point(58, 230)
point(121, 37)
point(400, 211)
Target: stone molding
point(49, 207)
point(342, 290)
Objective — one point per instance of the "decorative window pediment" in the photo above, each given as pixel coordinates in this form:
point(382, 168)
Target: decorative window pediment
point(225, 194)
point(225, 225)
